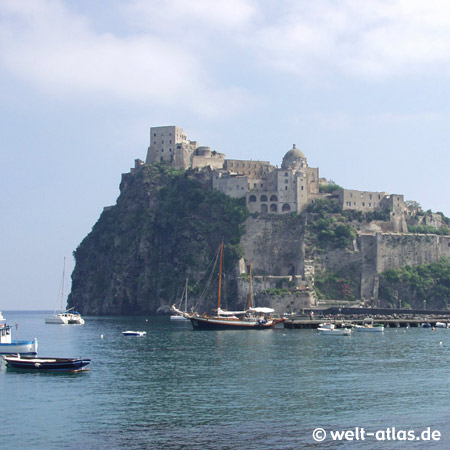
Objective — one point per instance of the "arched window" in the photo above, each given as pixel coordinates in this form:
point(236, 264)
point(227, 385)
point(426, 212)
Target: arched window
point(273, 207)
point(263, 208)
point(273, 198)
point(263, 198)
point(252, 198)
point(286, 208)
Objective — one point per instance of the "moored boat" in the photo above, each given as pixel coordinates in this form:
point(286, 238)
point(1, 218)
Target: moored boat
point(9, 345)
point(177, 313)
point(19, 361)
point(370, 326)
point(134, 333)
point(250, 319)
point(334, 331)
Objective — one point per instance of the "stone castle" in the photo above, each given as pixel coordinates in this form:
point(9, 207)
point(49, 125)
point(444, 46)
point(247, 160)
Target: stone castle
point(267, 188)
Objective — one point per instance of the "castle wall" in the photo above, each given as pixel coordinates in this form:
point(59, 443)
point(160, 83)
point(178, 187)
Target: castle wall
point(274, 244)
point(360, 200)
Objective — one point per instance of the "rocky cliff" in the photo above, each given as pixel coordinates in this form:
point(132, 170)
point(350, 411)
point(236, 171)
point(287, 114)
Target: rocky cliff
point(167, 226)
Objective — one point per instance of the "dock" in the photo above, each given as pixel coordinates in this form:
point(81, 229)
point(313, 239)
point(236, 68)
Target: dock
point(388, 322)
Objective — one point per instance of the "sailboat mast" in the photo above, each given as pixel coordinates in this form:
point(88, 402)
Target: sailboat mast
point(220, 275)
point(62, 282)
point(185, 296)
point(250, 288)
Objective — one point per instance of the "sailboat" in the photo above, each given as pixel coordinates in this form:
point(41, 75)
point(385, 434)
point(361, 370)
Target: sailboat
point(178, 314)
point(250, 319)
point(69, 316)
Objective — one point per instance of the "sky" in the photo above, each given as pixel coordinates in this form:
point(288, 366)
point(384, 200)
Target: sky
point(362, 88)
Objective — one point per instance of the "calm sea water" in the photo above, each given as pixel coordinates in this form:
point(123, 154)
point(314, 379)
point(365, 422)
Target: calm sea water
point(178, 388)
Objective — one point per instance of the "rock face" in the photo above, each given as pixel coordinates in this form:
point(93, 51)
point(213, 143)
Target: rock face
point(167, 226)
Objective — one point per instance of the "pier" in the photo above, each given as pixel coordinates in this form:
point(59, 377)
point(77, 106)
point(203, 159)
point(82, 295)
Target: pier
point(355, 316)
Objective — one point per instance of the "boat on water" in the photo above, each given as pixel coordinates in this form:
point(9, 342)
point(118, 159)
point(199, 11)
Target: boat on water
point(251, 319)
point(18, 361)
point(441, 325)
point(69, 316)
point(9, 345)
point(369, 326)
point(177, 313)
point(334, 331)
point(134, 333)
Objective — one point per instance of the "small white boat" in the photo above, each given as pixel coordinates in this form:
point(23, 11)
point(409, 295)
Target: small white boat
point(370, 327)
point(8, 345)
point(134, 333)
point(330, 326)
point(335, 331)
point(441, 325)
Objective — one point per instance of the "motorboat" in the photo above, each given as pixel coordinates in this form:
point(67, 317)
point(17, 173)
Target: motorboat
point(73, 317)
point(335, 331)
point(8, 345)
point(134, 333)
point(370, 326)
point(441, 325)
point(18, 361)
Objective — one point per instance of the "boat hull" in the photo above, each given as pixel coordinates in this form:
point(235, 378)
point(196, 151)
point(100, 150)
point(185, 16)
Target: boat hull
point(18, 346)
point(370, 329)
point(202, 323)
point(46, 364)
point(56, 320)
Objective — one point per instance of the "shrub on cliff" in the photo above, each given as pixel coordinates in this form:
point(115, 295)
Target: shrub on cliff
point(414, 285)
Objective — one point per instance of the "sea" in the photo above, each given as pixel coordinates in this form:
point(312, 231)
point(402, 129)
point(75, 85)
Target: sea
point(179, 388)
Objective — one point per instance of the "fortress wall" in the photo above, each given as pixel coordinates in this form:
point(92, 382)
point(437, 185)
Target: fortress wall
point(274, 244)
point(398, 250)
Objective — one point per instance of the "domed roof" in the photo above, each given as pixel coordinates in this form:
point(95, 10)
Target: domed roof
point(294, 158)
point(294, 152)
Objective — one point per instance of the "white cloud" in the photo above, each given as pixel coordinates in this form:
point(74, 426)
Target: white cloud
point(45, 43)
point(376, 39)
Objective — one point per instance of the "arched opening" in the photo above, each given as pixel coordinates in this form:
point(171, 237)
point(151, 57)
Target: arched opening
point(252, 198)
point(286, 208)
point(273, 207)
point(273, 198)
point(263, 208)
point(263, 198)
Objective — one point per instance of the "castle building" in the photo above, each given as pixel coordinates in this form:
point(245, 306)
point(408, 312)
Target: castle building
point(170, 145)
point(266, 188)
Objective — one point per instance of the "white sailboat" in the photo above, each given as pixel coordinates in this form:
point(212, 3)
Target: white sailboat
point(178, 314)
point(59, 318)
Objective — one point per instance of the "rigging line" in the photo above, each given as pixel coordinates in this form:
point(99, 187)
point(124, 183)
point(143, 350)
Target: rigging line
point(209, 281)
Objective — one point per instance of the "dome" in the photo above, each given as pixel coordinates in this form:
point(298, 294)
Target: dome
point(294, 158)
point(294, 152)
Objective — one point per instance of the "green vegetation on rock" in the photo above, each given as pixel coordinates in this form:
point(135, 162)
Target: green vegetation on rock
point(166, 226)
point(428, 283)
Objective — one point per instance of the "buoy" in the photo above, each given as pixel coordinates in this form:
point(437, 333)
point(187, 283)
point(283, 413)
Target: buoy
point(101, 336)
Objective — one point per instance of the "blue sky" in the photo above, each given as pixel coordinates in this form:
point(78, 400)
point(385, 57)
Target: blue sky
point(360, 87)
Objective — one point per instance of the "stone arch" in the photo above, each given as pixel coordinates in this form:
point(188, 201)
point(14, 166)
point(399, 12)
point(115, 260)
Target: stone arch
point(273, 207)
point(263, 198)
point(286, 207)
point(273, 198)
point(252, 198)
point(263, 208)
